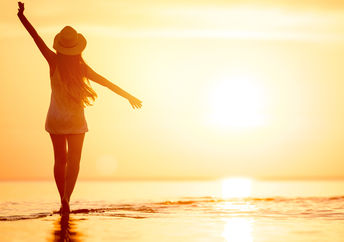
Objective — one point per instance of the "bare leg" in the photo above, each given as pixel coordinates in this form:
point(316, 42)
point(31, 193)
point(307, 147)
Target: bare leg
point(75, 142)
point(60, 157)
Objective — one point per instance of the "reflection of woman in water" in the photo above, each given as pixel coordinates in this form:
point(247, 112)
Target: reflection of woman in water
point(70, 93)
point(65, 230)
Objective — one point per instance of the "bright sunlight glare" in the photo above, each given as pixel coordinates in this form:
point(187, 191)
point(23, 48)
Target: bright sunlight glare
point(238, 230)
point(237, 102)
point(236, 187)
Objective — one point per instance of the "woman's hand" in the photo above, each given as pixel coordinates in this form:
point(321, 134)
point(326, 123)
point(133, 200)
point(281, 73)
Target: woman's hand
point(21, 8)
point(134, 102)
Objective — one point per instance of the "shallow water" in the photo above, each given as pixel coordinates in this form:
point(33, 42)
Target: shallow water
point(231, 210)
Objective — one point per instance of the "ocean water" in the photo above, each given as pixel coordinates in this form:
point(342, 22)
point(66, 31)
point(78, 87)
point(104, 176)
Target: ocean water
point(235, 209)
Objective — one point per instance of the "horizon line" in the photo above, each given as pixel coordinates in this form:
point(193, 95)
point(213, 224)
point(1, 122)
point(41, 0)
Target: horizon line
point(114, 179)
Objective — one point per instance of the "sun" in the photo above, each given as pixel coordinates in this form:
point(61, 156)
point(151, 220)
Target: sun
point(237, 102)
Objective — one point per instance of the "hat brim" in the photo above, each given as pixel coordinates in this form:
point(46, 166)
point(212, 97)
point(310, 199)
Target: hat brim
point(75, 50)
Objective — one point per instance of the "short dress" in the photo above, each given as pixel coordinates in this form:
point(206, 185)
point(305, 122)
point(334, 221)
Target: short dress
point(65, 116)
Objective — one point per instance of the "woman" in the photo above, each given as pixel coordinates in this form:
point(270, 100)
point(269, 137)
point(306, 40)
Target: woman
point(70, 93)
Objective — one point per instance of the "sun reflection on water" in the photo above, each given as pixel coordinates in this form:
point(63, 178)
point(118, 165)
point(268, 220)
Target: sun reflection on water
point(238, 229)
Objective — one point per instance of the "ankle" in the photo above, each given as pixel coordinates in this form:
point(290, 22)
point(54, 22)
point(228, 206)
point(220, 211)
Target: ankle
point(65, 200)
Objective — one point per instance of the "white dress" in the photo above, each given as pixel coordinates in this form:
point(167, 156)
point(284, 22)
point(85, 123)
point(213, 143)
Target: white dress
point(64, 115)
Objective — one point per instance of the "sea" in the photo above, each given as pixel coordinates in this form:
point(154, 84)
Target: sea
point(233, 209)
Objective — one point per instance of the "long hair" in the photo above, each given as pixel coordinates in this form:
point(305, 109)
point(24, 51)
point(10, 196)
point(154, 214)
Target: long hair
point(72, 70)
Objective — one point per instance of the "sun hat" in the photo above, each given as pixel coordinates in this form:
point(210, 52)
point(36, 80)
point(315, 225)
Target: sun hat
point(69, 42)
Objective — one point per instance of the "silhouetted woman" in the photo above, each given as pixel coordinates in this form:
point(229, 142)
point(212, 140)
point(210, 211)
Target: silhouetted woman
point(70, 94)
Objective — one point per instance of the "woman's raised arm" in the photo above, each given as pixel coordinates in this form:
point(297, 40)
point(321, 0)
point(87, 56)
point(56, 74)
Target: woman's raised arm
point(47, 53)
point(94, 76)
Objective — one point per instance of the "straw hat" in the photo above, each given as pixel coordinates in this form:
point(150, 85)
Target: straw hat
point(69, 42)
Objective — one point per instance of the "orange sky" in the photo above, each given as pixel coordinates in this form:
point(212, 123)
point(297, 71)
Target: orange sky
point(251, 88)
